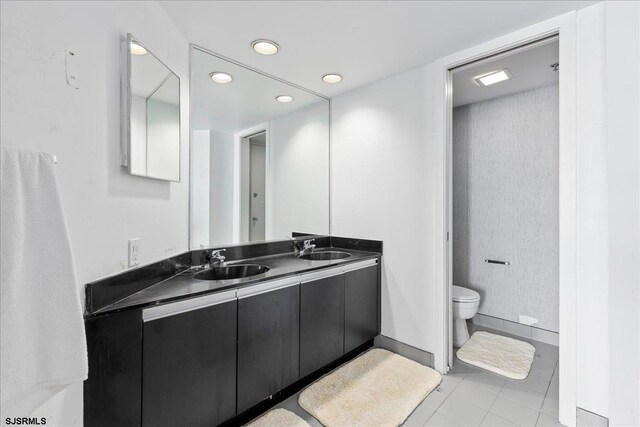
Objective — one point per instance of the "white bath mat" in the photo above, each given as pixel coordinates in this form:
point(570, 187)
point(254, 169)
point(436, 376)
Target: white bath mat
point(279, 418)
point(502, 355)
point(378, 388)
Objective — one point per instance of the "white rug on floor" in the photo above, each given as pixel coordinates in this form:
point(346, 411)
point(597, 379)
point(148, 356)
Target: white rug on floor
point(378, 388)
point(279, 418)
point(502, 355)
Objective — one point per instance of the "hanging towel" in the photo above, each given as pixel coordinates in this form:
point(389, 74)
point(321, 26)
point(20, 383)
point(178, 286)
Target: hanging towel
point(43, 344)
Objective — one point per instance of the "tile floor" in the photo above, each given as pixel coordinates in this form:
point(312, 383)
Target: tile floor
point(470, 396)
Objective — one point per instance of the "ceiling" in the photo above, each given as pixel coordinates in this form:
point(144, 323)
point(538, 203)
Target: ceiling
point(529, 69)
point(249, 100)
point(362, 40)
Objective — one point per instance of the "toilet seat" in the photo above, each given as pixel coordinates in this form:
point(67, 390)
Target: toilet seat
point(460, 294)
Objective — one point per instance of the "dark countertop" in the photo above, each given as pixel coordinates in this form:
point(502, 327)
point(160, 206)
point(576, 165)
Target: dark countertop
point(183, 285)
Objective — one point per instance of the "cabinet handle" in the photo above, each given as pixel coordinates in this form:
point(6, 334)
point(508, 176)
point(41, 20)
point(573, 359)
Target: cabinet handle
point(310, 277)
point(360, 265)
point(171, 309)
point(270, 286)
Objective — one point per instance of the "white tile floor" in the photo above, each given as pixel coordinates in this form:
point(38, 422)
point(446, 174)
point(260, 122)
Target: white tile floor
point(470, 396)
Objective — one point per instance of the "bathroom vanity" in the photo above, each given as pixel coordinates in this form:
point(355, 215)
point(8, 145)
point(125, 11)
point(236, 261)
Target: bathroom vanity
point(167, 348)
point(210, 337)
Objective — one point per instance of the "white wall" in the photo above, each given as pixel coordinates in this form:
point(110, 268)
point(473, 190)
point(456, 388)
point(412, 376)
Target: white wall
point(200, 183)
point(505, 204)
point(221, 188)
point(381, 178)
point(104, 205)
point(297, 172)
point(622, 72)
point(163, 140)
point(138, 161)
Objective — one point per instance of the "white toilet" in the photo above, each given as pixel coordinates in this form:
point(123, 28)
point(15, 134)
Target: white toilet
point(465, 306)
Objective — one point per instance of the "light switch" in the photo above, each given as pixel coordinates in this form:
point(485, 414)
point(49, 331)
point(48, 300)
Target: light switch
point(134, 252)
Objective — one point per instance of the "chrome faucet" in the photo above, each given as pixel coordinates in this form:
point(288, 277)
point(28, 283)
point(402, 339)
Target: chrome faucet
point(308, 247)
point(216, 259)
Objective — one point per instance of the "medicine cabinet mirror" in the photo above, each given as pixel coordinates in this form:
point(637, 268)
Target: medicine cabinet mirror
point(151, 114)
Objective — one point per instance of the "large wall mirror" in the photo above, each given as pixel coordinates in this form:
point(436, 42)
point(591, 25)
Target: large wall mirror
point(259, 155)
point(151, 115)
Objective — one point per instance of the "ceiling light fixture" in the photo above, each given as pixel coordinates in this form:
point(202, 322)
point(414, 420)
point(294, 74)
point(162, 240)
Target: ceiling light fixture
point(284, 98)
point(220, 77)
point(332, 78)
point(265, 47)
point(493, 77)
point(137, 49)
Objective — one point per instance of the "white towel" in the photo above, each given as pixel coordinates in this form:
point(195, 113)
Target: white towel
point(43, 344)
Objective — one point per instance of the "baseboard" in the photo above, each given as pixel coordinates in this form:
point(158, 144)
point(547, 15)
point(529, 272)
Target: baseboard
point(410, 352)
point(515, 328)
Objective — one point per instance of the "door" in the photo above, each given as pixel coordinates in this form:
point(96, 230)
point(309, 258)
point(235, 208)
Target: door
point(189, 362)
point(257, 161)
point(361, 306)
point(268, 340)
point(321, 322)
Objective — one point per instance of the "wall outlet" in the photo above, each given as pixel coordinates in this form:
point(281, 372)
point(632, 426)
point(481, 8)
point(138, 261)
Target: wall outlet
point(134, 252)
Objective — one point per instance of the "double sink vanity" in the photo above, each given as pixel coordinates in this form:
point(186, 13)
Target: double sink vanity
point(204, 338)
point(218, 335)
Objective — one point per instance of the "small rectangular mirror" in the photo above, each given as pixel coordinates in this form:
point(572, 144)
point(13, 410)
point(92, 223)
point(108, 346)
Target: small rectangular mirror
point(151, 115)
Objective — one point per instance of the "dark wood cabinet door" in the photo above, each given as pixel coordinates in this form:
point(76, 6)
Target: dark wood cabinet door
point(268, 344)
point(321, 322)
point(361, 306)
point(112, 391)
point(189, 367)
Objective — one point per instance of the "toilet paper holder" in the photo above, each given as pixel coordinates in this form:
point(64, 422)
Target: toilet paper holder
point(495, 261)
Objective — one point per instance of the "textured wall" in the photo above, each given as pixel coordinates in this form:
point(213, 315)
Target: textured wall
point(505, 204)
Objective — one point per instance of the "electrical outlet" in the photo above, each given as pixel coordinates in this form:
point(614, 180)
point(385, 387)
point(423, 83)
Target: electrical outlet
point(134, 252)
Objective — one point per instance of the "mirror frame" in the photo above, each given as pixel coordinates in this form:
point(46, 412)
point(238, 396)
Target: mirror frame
point(125, 108)
point(192, 47)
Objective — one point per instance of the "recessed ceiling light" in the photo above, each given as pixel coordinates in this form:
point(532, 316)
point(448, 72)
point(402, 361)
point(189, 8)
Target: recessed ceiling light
point(137, 49)
point(220, 77)
point(265, 47)
point(284, 98)
point(493, 77)
point(332, 78)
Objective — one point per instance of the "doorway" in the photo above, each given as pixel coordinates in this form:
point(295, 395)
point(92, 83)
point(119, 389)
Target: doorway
point(251, 184)
point(503, 183)
point(565, 27)
point(257, 186)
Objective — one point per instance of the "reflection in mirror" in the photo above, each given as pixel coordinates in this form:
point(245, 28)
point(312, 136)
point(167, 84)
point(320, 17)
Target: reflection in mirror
point(259, 166)
point(154, 116)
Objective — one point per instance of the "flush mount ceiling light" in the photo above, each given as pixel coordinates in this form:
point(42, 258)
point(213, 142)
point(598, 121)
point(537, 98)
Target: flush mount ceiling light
point(220, 77)
point(332, 78)
point(493, 77)
point(284, 98)
point(137, 49)
point(265, 47)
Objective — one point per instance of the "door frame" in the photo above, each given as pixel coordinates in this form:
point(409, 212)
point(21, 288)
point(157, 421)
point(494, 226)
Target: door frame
point(565, 26)
point(264, 213)
point(239, 220)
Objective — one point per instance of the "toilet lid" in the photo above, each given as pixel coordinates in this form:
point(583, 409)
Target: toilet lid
point(464, 294)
